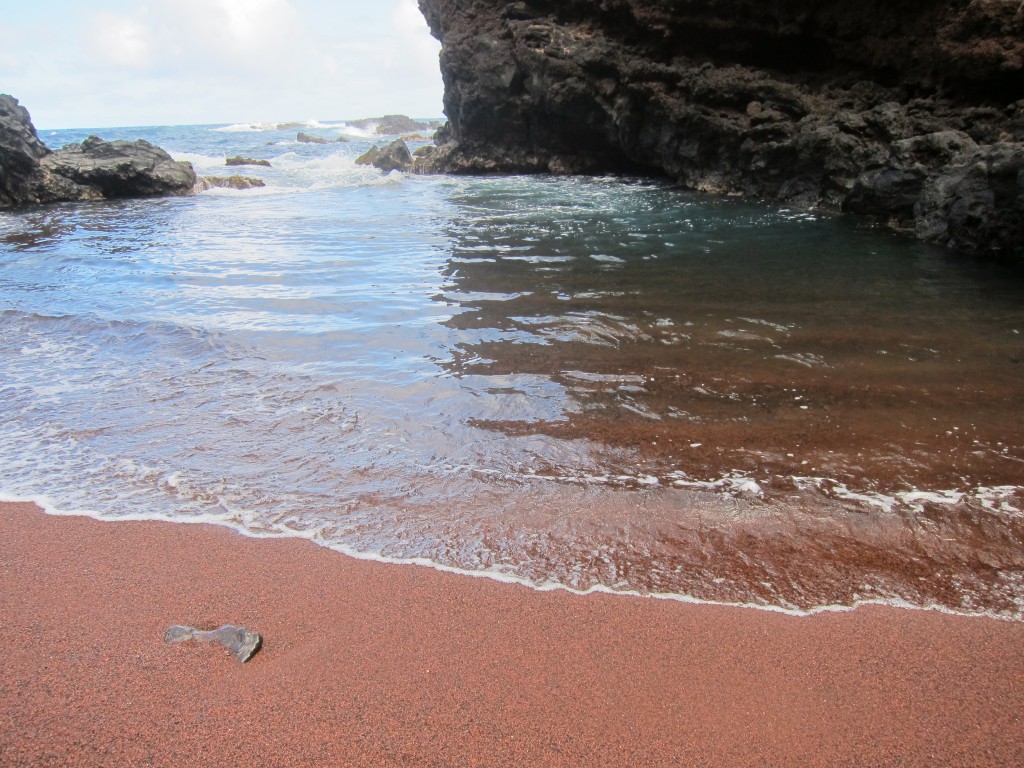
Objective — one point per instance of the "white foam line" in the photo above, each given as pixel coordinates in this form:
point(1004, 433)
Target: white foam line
point(47, 505)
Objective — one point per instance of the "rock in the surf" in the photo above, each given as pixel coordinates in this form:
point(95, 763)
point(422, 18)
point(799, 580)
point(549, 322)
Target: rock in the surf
point(121, 168)
point(93, 170)
point(239, 160)
point(307, 138)
point(239, 642)
point(394, 157)
point(229, 182)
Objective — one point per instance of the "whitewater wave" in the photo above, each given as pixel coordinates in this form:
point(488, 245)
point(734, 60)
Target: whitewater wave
point(291, 172)
point(498, 573)
point(288, 125)
point(198, 161)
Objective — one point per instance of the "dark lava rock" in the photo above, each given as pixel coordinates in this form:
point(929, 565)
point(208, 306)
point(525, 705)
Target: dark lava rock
point(394, 157)
point(239, 160)
point(229, 182)
point(911, 113)
point(238, 641)
point(21, 178)
point(121, 168)
point(428, 159)
point(307, 138)
point(92, 170)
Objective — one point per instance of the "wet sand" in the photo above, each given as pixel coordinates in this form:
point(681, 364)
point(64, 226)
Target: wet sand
point(368, 664)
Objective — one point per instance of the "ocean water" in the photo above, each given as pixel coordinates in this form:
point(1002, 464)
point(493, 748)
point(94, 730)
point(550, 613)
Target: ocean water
point(588, 383)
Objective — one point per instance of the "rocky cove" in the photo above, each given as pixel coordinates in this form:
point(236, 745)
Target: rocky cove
point(909, 113)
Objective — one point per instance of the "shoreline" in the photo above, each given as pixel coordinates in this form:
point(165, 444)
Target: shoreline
point(369, 663)
point(45, 505)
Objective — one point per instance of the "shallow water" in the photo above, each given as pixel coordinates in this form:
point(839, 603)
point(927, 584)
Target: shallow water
point(591, 383)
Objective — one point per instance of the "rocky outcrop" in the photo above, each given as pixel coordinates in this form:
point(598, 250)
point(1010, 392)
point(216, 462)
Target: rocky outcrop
point(912, 113)
point(93, 170)
point(21, 177)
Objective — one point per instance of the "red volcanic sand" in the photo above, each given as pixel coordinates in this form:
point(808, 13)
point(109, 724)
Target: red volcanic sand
point(367, 664)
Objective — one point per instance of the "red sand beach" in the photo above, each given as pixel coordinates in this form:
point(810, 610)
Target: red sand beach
point(367, 664)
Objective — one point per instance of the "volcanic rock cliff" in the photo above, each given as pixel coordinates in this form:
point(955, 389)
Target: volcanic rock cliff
point(910, 112)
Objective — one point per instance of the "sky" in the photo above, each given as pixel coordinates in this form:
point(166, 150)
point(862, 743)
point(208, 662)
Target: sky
point(108, 63)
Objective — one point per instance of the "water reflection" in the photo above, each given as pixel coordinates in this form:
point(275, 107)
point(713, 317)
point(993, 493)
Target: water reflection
point(711, 337)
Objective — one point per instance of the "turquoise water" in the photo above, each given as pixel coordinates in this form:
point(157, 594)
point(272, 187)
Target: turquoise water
point(593, 383)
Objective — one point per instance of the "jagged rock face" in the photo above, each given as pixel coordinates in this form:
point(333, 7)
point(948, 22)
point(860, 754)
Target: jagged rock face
point(811, 103)
point(21, 179)
point(92, 170)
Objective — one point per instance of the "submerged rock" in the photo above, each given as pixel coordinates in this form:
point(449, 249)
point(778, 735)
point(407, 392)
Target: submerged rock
point(394, 157)
point(239, 160)
point(913, 115)
point(238, 641)
point(229, 182)
point(95, 169)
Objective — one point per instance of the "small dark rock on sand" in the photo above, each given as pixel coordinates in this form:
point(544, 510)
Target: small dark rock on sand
point(238, 641)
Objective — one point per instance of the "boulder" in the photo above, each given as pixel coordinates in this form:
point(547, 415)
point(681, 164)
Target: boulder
point(394, 157)
point(239, 160)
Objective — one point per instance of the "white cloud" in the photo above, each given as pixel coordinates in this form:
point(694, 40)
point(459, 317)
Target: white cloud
point(120, 41)
point(186, 36)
